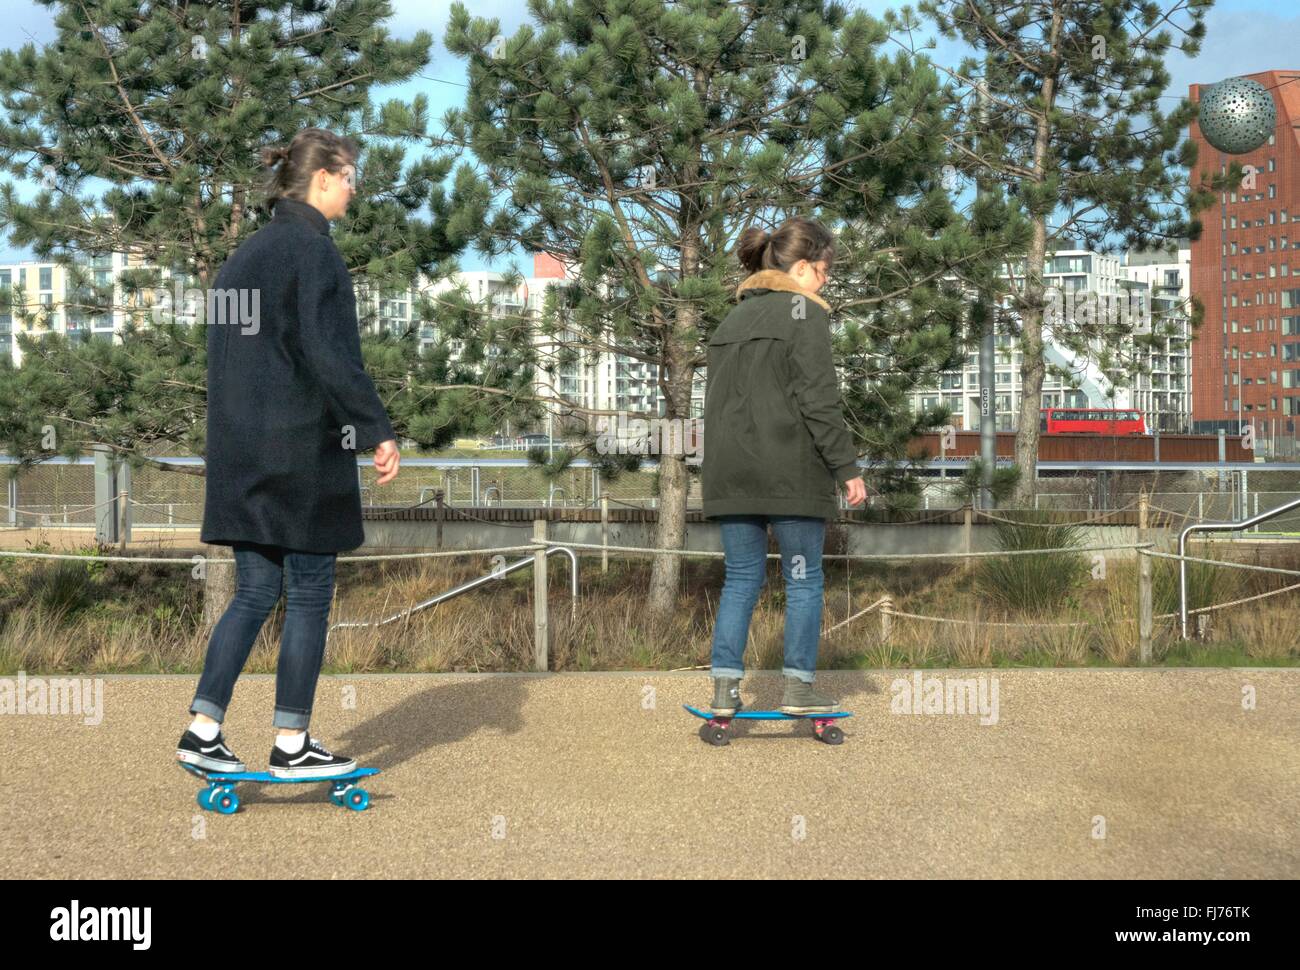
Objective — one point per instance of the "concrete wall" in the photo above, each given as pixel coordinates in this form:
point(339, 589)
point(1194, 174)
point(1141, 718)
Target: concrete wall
point(863, 539)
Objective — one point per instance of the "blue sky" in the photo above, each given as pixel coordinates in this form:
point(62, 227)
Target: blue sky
point(1243, 36)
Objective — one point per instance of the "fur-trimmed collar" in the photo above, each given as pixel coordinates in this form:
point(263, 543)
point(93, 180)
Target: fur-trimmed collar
point(775, 279)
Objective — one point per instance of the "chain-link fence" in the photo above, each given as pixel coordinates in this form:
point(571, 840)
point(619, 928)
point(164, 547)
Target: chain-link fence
point(63, 495)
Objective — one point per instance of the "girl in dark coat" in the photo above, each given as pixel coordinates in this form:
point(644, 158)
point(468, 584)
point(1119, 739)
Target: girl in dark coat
point(289, 408)
point(777, 447)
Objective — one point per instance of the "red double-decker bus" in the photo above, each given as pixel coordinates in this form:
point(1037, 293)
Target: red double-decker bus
point(1091, 421)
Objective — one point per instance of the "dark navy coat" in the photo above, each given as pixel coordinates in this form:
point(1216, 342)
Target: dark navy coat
point(289, 403)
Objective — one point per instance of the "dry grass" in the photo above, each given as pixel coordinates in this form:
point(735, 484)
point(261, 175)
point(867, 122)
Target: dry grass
point(139, 619)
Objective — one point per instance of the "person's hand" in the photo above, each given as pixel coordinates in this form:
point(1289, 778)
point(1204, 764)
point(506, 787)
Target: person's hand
point(387, 458)
point(857, 491)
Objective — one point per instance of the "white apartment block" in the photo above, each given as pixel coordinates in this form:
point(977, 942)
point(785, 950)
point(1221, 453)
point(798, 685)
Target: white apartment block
point(603, 381)
point(1164, 397)
point(43, 301)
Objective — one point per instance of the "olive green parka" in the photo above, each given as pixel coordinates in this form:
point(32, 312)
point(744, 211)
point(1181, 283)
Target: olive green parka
point(775, 441)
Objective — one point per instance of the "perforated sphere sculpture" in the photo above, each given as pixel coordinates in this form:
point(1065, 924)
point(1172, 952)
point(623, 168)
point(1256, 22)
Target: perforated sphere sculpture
point(1237, 115)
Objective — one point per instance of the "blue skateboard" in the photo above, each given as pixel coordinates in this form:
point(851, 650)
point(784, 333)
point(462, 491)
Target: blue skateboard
point(717, 730)
point(220, 794)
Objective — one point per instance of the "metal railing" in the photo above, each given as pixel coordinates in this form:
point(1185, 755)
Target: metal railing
point(1216, 527)
point(475, 583)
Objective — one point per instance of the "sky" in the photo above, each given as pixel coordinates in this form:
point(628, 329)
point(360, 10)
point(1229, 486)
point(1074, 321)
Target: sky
point(1243, 37)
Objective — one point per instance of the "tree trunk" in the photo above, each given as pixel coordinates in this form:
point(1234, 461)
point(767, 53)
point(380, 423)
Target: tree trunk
point(1032, 366)
point(1032, 369)
point(670, 531)
point(218, 584)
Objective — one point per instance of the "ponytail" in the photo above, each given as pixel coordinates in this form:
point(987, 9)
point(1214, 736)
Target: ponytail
point(795, 239)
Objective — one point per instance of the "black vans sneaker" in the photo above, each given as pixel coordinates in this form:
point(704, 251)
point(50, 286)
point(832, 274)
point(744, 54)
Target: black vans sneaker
point(209, 755)
point(310, 761)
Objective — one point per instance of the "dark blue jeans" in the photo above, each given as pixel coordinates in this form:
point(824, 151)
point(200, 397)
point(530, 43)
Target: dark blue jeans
point(744, 540)
point(261, 571)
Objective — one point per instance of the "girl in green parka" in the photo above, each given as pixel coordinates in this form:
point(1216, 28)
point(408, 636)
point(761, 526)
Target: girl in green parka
point(777, 448)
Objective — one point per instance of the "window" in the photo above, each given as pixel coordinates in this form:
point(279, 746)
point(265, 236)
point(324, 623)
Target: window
point(47, 274)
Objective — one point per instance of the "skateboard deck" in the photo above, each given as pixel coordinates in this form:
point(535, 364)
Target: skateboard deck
point(220, 795)
point(717, 730)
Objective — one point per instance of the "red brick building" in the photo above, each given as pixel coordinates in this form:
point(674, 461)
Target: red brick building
point(1246, 270)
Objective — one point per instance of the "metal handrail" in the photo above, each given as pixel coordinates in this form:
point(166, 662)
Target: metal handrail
point(1216, 527)
point(475, 583)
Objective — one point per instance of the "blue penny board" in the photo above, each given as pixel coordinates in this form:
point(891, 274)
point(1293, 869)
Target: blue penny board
point(764, 715)
point(268, 778)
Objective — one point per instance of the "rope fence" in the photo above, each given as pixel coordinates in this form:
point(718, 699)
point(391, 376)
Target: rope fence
point(884, 605)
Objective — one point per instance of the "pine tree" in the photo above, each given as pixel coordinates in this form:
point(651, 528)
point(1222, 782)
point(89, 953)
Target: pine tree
point(168, 105)
point(1078, 144)
point(636, 139)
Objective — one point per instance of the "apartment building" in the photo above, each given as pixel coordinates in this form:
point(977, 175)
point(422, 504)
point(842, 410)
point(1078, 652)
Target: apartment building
point(1246, 357)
